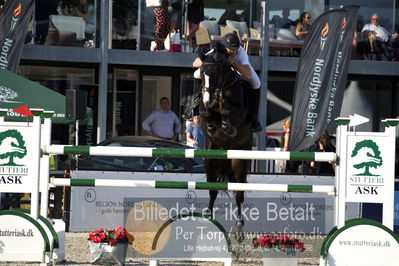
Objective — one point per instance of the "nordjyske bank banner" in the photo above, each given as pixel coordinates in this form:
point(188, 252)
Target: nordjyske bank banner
point(299, 213)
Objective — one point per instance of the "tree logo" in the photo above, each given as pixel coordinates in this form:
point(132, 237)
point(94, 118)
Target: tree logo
point(368, 156)
point(12, 145)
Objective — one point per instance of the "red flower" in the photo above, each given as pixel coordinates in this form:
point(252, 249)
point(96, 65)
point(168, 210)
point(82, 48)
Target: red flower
point(111, 236)
point(280, 241)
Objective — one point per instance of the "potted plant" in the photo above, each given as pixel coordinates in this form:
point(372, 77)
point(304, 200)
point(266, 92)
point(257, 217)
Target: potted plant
point(108, 246)
point(279, 249)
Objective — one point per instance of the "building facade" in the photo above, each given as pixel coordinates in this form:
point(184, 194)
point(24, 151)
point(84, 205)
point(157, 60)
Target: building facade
point(125, 80)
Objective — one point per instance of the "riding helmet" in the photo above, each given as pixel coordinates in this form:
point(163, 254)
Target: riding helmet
point(231, 41)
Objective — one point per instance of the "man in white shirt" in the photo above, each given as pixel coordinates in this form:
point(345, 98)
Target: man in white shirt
point(239, 60)
point(163, 123)
point(379, 35)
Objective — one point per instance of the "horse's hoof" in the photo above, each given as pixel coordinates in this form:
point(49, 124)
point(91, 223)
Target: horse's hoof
point(240, 223)
point(239, 236)
point(240, 231)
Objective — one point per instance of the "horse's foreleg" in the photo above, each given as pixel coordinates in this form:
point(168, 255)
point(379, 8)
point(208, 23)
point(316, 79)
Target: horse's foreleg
point(206, 114)
point(225, 110)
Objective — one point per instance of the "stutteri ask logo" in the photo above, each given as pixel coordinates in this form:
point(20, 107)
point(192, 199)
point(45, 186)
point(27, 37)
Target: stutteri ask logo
point(368, 155)
point(12, 145)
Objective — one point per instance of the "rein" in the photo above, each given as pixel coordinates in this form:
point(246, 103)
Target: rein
point(223, 86)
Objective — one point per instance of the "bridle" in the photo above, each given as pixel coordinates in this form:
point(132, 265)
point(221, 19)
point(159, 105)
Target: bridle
point(221, 84)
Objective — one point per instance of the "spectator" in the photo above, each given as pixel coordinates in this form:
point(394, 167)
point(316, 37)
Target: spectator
point(286, 134)
point(379, 38)
point(229, 14)
point(239, 60)
point(43, 10)
point(175, 15)
point(87, 11)
point(291, 167)
point(163, 123)
point(194, 135)
point(302, 27)
point(195, 14)
point(162, 21)
point(324, 145)
point(285, 137)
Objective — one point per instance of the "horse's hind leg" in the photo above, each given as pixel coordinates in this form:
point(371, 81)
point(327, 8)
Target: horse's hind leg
point(240, 220)
point(240, 169)
point(212, 198)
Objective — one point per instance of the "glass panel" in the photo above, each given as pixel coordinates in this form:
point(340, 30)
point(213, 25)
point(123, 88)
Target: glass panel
point(60, 79)
point(374, 99)
point(368, 98)
point(154, 88)
point(383, 8)
point(66, 22)
point(121, 106)
point(134, 24)
point(279, 103)
point(125, 27)
point(186, 96)
point(284, 15)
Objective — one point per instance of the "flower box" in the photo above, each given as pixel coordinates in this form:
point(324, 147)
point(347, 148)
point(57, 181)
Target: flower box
point(103, 253)
point(275, 257)
point(279, 249)
point(109, 246)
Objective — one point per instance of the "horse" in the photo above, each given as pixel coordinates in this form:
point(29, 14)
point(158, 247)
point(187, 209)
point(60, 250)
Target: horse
point(223, 101)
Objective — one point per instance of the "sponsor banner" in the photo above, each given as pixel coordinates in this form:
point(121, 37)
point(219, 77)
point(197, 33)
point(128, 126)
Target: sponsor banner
point(315, 74)
point(358, 237)
point(369, 164)
point(14, 20)
point(337, 85)
point(94, 207)
point(293, 216)
point(17, 153)
point(20, 238)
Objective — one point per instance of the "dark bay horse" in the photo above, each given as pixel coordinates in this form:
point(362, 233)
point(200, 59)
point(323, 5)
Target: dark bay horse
point(224, 101)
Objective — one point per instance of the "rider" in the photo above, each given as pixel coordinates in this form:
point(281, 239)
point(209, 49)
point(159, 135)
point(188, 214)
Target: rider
point(239, 60)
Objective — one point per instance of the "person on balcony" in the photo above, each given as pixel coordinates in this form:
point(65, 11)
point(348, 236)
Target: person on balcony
point(87, 11)
point(380, 40)
point(303, 25)
point(162, 22)
point(195, 14)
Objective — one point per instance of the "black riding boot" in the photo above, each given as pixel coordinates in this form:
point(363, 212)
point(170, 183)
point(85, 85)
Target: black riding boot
point(192, 111)
point(254, 109)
